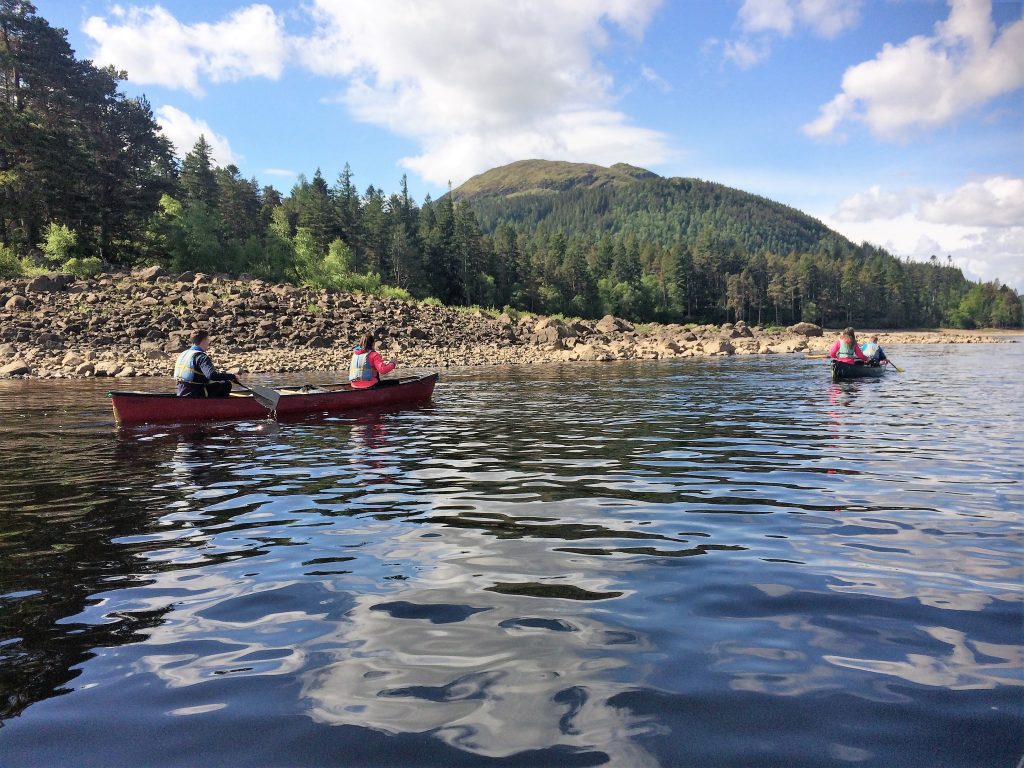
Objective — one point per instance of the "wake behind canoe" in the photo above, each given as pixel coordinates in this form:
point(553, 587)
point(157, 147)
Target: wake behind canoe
point(147, 407)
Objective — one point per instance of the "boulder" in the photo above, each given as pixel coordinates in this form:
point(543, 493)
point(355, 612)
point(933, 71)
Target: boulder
point(18, 368)
point(611, 324)
point(806, 329)
point(18, 301)
point(719, 347)
point(107, 368)
point(42, 284)
point(8, 350)
point(72, 359)
point(149, 274)
point(319, 342)
point(85, 369)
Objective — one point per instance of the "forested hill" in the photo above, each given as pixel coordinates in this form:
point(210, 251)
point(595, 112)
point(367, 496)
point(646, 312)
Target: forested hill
point(623, 199)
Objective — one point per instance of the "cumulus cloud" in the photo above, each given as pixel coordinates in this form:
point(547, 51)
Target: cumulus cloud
point(762, 21)
point(508, 81)
point(155, 48)
point(875, 203)
point(474, 83)
point(928, 81)
point(980, 225)
point(994, 202)
point(184, 130)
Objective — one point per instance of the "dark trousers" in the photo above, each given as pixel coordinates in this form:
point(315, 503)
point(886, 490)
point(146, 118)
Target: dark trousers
point(210, 389)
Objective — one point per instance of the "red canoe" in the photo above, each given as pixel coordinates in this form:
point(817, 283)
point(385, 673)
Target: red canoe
point(147, 407)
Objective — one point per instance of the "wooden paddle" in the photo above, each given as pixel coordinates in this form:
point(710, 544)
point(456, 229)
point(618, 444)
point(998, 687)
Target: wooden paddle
point(264, 396)
point(893, 365)
point(816, 357)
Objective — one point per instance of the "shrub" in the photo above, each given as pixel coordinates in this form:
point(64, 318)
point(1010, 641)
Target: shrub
point(60, 241)
point(10, 264)
point(391, 292)
point(90, 266)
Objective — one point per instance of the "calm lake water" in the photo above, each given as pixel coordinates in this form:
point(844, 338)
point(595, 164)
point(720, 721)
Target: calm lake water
point(697, 563)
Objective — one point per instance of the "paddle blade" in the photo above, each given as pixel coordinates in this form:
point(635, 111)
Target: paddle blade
point(263, 395)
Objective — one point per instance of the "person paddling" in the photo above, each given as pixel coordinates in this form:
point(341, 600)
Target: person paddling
point(368, 366)
point(845, 348)
point(874, 351)
point(195, 375)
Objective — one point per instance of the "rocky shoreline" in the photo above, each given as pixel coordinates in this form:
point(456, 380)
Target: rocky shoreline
point(125, 325)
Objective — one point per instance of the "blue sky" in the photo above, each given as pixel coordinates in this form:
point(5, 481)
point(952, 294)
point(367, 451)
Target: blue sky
point(899, 122)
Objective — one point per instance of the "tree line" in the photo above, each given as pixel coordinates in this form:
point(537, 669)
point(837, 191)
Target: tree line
point(89, 181)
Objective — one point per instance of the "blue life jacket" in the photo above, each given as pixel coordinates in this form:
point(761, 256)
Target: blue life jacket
point(361, 368)
point(184, 368)
point(870, 348)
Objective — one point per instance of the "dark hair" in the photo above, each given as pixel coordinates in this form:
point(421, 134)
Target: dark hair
point(366, 343)
point(850, 332)
point(198, 336)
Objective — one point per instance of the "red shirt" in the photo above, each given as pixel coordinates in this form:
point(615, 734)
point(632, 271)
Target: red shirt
point(379, 366)
point(856, 348)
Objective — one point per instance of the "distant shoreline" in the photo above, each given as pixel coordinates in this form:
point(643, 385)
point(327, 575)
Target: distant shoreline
point(128, 325)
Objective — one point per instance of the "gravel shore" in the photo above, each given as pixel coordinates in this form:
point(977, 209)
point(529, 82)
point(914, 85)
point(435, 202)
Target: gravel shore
point(125, 325)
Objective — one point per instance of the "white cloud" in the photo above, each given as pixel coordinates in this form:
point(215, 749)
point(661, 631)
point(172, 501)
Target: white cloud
point(651, 76)
point(994, 202)
point(874, 203)
point(928, 81)
point(155, 48)
point(184, 130)
point(282, 172)
point(767, 16)
point(980, 224)
point(508, 81)
point(762, 21)
point(744, 53)
point(474, 83)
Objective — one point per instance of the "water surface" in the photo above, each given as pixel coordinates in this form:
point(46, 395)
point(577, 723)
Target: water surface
point(706, 563)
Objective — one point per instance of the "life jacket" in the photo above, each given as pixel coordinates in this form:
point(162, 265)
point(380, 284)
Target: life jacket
point(870, 349)
point(361, 368)
point(846, 350)
point(185, 370)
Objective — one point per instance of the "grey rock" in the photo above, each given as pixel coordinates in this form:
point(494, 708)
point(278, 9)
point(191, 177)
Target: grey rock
point(18, 368)
point(806, 329)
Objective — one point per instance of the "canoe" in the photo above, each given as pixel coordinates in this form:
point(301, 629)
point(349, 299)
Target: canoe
point(842, 370)
point(149, 407)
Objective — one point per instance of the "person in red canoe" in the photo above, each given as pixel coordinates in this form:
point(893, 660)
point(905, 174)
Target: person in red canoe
point(845, 349)
point(368, 366)
point(195, 375)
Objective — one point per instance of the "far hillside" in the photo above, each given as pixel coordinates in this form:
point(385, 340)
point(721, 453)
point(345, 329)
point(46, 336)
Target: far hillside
point(624, 199)
point(625, 239)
